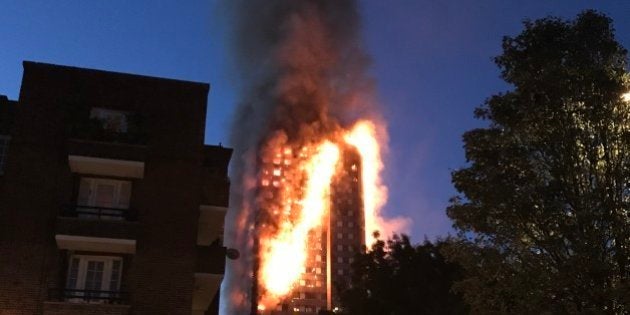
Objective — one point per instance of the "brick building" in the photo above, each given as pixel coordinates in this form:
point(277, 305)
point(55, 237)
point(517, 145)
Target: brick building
point(110, 203)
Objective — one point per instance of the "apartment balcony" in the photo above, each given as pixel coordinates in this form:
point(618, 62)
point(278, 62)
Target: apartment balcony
point(78, 302)
point(216, 191)
point(105, 158)
point(211, 259)
point(96, 229)
point(209, 272)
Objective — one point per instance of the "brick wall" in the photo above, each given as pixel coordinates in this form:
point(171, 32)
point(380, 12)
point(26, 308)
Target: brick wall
point(38, 182)
point(63, 308)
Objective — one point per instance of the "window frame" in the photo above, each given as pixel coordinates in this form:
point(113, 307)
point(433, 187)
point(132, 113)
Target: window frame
point(81, 277)
point(87, 195)
point(108, 117)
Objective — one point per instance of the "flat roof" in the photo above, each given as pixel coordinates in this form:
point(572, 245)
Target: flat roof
point(121, 75)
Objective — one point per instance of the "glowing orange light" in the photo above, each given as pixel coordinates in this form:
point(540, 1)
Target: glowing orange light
point(363, 138)
point(284, 254)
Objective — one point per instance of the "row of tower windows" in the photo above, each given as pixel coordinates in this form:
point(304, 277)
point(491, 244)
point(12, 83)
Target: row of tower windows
point(349, 224)
point(350, 236)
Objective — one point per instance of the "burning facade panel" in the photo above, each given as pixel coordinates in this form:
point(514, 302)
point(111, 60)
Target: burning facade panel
point(308, 142)
point(329, 246)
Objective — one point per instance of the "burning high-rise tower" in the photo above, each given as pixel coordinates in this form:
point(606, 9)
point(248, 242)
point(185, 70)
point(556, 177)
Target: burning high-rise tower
point(329, 246)
point(308, 145)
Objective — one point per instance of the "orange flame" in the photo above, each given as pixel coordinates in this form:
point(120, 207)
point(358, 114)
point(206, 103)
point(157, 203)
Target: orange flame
point(284, 255)
point(363, 138)
point(302, 185)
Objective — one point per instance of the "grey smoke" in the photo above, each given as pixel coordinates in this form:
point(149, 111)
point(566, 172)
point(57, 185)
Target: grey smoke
point(300, 69)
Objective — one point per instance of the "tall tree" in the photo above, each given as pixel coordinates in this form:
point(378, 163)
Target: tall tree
point(398, 278)
point(545, 198)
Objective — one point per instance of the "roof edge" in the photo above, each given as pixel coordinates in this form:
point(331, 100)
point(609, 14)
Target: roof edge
point(28, 64)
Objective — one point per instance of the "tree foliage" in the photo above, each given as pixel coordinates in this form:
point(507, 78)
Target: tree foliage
point(397, 278)
point(545, 198)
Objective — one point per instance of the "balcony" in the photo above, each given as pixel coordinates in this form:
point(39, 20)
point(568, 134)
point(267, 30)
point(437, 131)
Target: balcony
point(216, 192)
point(87, 124)
point(210, 225)
point(211, 259)
point(107, 159)
point(99, 213)
point(96, 229)
point(71, 302)
point(88, 296)
point(208, 275)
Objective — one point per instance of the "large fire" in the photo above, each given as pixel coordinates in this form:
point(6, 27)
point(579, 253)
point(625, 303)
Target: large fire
point(307, 170)
point(301, 181)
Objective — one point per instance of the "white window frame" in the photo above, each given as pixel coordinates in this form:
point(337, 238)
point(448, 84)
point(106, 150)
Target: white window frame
point(92, 185)
point(4, 148)
point(106, 279)
point(117, 183)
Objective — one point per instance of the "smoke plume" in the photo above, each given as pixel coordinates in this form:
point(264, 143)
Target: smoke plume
point(301, 72)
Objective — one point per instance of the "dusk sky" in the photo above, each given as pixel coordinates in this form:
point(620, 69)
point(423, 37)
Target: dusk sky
point(432, 61)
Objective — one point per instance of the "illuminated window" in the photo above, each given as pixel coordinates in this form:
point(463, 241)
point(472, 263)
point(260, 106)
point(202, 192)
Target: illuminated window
point(340, 247)
point(339, 259)
point(350, 224)
point(340, 272)
point(339, 223)
point(350, 236)
point(339, 235)
point(4, 147)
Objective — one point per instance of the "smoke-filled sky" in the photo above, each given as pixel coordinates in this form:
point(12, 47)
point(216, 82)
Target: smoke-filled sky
point(431, 60)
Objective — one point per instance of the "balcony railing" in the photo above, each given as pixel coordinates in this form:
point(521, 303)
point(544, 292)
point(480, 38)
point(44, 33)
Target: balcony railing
point(99, 213)
point(88, 296)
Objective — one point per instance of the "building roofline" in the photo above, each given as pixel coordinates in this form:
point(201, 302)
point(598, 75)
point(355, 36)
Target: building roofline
point(35, 64)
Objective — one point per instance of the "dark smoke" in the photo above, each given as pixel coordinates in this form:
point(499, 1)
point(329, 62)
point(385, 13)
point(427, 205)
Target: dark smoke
point(300, 68)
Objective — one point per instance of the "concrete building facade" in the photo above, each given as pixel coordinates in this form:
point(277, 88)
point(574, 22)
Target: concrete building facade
point(110, 203)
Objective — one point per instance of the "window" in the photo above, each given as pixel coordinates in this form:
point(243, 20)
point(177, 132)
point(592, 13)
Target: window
point(93, 278)
point(4, 147)
point(112, 120)
point(107, 197)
